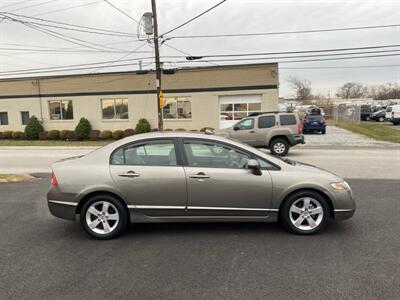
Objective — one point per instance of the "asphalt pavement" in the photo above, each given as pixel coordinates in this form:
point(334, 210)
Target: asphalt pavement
point(42, 257)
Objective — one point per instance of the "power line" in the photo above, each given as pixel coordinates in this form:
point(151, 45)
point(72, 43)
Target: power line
point(70, 27)
point(67, 8)
point(121, 11)
point(192, 19)
point(283, 32)
point(185, 53)
point(17, 3)
point(34, 5)
point(69, 24)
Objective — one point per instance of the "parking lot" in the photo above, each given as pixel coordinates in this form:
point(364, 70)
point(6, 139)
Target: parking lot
point(43, 257)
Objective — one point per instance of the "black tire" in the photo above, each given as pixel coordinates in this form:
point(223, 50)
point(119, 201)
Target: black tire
point(279, 147)
point(285, 214)
point(120, 209)
point(323, 131)
point(395, 123)
point(381, 119)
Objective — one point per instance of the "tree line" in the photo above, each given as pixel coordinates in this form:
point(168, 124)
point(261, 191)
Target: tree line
point(350, 90)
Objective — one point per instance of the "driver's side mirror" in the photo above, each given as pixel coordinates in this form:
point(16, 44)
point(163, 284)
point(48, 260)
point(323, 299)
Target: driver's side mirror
point(254, 165)
point(236, 128)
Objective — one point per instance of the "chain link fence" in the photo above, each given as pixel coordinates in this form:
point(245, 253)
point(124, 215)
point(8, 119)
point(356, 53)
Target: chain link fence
point(346, 113)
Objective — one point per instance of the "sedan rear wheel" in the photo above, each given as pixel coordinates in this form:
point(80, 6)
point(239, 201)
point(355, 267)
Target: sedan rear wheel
point(305, 213)
point(103, 217)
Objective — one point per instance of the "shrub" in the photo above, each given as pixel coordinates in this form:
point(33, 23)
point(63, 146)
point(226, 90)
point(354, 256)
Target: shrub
point(142, 126)
point(194, 130)
point(64, 134)
point(33, 128)
point(117, 134)
point(83, 129)
point(7, 135)
point(180, 129)
point(106, 135)
point(18, 135)
point(44, 135)
point(1, 135)
point(94, 135)
point(154, 130)
point(54, 135)
point(129, 132)
point(168, 129)
point(71, 136)
point(205, 128)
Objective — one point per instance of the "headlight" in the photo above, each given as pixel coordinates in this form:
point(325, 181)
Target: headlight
point(340, 185)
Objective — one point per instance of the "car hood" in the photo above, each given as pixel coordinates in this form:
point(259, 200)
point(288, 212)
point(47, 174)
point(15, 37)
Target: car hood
point(222, 132)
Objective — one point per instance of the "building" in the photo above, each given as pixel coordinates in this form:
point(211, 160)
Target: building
point(195, 98)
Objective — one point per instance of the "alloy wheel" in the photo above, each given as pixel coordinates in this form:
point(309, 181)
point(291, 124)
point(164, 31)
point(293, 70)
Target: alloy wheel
point(306, 213)
point(102, 217)
point(279, 148)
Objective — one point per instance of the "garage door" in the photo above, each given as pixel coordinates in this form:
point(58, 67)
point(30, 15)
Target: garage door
point(237, 107)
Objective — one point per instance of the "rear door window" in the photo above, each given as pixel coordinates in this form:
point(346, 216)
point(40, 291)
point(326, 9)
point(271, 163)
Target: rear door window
point(266, 121)
point(287, 119)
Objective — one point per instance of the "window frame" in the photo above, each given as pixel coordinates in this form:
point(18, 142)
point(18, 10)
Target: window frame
point(8, 121)
point(115, 110)
point(233, 111)
point(274, 167)
point(61, 111)
point(188, 99)
point(172, 140)
point(22, 118)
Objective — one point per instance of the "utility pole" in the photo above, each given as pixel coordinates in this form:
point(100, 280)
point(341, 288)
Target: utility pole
point(158, 65)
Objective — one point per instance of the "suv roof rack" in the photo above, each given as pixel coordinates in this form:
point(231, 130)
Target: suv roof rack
point(254, 114)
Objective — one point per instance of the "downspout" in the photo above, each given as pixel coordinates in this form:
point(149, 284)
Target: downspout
point(40, 99)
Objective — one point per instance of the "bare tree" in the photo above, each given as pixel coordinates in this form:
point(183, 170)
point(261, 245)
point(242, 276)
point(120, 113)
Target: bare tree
point(301, 87)
point(385, 91)
point(352, 90)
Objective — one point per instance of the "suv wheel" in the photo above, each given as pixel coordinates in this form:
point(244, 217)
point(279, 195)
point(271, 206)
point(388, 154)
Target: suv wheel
point(103, 217)
point(381, 119)
point(323, 131)
point(279, 147)
point(305, 213)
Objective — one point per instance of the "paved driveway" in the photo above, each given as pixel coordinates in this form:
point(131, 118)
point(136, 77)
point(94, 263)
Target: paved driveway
point(42, 257)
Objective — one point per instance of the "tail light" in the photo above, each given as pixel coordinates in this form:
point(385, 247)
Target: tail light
point(53, 180)
point(305, 119)
point(322, 120)
point(299, 128)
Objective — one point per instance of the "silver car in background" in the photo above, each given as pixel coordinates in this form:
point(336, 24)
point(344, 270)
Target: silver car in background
point(192, 177)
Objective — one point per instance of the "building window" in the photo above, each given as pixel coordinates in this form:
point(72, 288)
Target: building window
point(238, 111)
point(114, 108)
point(61, 110)
point(24, 117)
point(177, 108)
point(3, 118)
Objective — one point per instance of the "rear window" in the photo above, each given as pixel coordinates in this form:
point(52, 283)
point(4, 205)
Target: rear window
point(266, 122)
point(287, 119)
point(389, 109)
point(314, 117)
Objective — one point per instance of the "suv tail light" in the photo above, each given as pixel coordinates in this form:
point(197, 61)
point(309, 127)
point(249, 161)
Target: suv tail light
point(299, 128)
point(322, 120)
point(53, 180)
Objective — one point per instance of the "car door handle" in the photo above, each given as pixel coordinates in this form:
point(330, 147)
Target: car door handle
point(129, 174)
point(199, 175)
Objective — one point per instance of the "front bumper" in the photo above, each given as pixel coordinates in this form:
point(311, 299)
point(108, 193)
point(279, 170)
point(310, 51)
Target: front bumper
point(344, 204)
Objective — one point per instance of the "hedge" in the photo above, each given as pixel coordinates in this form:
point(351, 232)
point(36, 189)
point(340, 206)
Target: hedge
point(53, 135)
point(117, 134)
point(106, 135)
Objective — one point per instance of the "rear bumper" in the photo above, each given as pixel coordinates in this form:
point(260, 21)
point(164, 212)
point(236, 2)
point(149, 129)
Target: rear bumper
point(295, 139)
point(61, 205)
point(314, 127)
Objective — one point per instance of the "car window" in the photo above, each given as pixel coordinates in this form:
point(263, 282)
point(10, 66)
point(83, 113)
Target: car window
point(214, 155)
point(266, 121)
point(245, 124)
point(287, 119)
point(159, 153)
point(265, 164)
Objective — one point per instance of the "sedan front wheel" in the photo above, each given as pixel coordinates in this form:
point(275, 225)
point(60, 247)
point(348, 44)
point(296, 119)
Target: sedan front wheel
point(305, 213)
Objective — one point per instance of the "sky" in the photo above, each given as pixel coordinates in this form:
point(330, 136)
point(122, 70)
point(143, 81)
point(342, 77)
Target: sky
point(24, 47)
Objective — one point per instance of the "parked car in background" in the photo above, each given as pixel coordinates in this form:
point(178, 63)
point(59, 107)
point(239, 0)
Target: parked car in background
point(388, 115)
point(273, 130)
point(395, 115)
point(365, 112)
point(379, 116)
point(193, 177)
point(314, 123)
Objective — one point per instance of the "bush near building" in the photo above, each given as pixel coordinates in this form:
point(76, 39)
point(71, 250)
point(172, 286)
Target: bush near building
point(64, 134)
point(44, 135)
point(142, 126)
point(94, 135)
point(33, 128)
point(7, 135)
point(117, 134)
point(54, 135)
point(129, 132)
point(18, 135)
point(106, 135)
point(83, 129)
